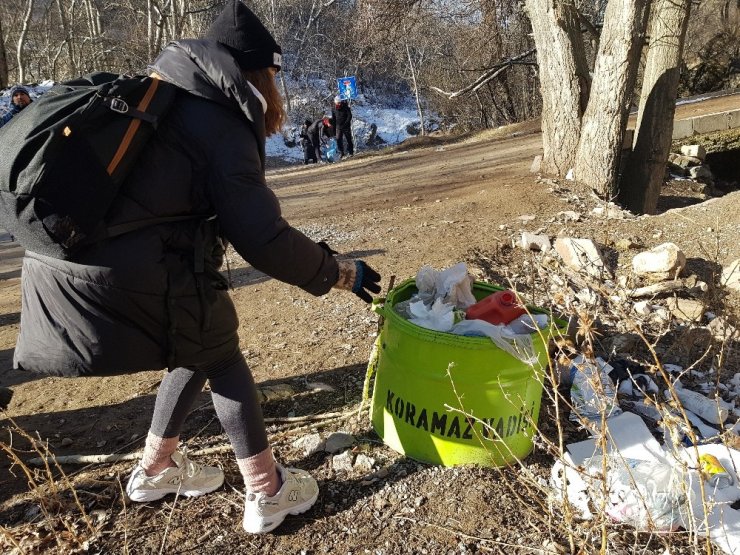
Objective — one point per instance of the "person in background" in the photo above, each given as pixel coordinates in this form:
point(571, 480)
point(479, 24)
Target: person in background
point(342, 116)
point(19, 99)
point(309, 153)
point(372, 139)
point(154, 297)
point(320, 132)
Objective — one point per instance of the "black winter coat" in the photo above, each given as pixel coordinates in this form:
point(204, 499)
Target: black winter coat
point(154, 298)
point(317, 130)
point(342, 117)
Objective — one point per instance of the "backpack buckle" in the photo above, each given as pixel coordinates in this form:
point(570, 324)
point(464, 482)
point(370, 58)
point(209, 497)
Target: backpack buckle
point(118, 105)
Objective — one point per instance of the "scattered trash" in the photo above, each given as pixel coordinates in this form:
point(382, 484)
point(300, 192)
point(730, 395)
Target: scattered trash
point(715, 473)
point(592, 393)
point(714, 411)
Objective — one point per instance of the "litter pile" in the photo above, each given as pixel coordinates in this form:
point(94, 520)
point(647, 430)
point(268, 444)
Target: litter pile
point(445, 302)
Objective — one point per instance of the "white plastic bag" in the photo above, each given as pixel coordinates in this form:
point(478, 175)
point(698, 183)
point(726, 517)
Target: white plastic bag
point(439, 317)
point(453, 285)
point(519, 346)
point(648, 495)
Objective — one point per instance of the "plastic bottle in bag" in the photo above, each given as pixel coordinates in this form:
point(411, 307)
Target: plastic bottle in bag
point(645, 494)
point(588, 399)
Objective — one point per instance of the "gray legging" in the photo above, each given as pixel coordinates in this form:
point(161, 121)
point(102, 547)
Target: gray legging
point(234, 398)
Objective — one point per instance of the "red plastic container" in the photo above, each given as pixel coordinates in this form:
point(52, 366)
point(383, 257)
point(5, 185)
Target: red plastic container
point(499, 308)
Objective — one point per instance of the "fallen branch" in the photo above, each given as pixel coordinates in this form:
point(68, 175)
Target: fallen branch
point(691, 285)
point(487, 76)
point(313, 419)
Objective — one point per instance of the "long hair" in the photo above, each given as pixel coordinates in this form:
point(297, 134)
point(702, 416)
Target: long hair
point(264, 82)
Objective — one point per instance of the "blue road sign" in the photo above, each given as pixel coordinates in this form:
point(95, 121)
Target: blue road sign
point(347, 87)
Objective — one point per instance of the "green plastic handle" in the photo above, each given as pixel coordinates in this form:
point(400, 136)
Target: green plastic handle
point(378, 306)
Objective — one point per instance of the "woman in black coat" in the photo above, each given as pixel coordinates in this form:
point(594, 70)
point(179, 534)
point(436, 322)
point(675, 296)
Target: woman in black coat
point(154, 297)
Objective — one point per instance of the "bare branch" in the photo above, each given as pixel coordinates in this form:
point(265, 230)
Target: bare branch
point(487, 76)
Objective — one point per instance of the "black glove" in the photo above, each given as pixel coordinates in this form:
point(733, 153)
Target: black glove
point(356, 276)
point(366, 278)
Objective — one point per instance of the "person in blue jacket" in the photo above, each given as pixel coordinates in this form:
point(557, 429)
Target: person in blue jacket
point(19, 99)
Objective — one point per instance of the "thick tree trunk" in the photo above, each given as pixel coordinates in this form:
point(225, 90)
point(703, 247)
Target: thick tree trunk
point(643, 179)
point(602, 133)
point(3, 60)
point(564, 80)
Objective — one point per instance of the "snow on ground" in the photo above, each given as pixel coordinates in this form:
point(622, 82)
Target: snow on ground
point(392, 122)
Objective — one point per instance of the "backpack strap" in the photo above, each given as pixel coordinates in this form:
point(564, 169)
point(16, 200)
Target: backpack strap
point(120, 229)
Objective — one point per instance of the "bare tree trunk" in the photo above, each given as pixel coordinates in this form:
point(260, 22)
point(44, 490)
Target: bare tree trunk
point(3, 60)
point(416, 90)
point(22, 42)
point(643, 179)
point(602, 132)
point(72, 66)
point(149, 31)
point(564, 80)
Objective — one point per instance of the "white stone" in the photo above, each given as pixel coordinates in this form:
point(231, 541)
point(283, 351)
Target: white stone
point(685, 309)
point(722, 330)
point(642, 308)
point(666, 261)
point(342, 462)
point(588, 296)
point(338, 441)
point(364, 463)
point(661, 314)
point(695, 151)
point(570, 176)
point(530, 241)
point(310, 444)
point(581, 254)
point(731, 275)
point(570, 215)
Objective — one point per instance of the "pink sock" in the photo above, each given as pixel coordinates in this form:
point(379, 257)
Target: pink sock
point(260, 473)
point(158, 453)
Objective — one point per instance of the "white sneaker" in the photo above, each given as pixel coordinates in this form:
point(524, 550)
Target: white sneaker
point(188, 478)
point(297, 494)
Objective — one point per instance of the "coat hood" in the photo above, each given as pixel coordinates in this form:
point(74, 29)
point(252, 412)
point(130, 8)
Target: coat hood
point(207, 69)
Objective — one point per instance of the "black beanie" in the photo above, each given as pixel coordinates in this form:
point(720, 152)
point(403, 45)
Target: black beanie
point(246, 37)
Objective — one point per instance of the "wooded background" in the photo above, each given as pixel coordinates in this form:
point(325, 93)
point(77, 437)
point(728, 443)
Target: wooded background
point(472, 63)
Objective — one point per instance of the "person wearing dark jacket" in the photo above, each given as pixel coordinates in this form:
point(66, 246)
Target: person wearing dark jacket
point(309, 153)
point(342, 116)
point(154, 297)
point(320, 132)
point(19, 99)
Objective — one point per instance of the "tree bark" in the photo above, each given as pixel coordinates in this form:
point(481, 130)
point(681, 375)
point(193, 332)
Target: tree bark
point(564, 80)
point(3, 60)
point(67, 32)
point(22, 42)
point(419, 109)
point(605, 119)
point(643, 178)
